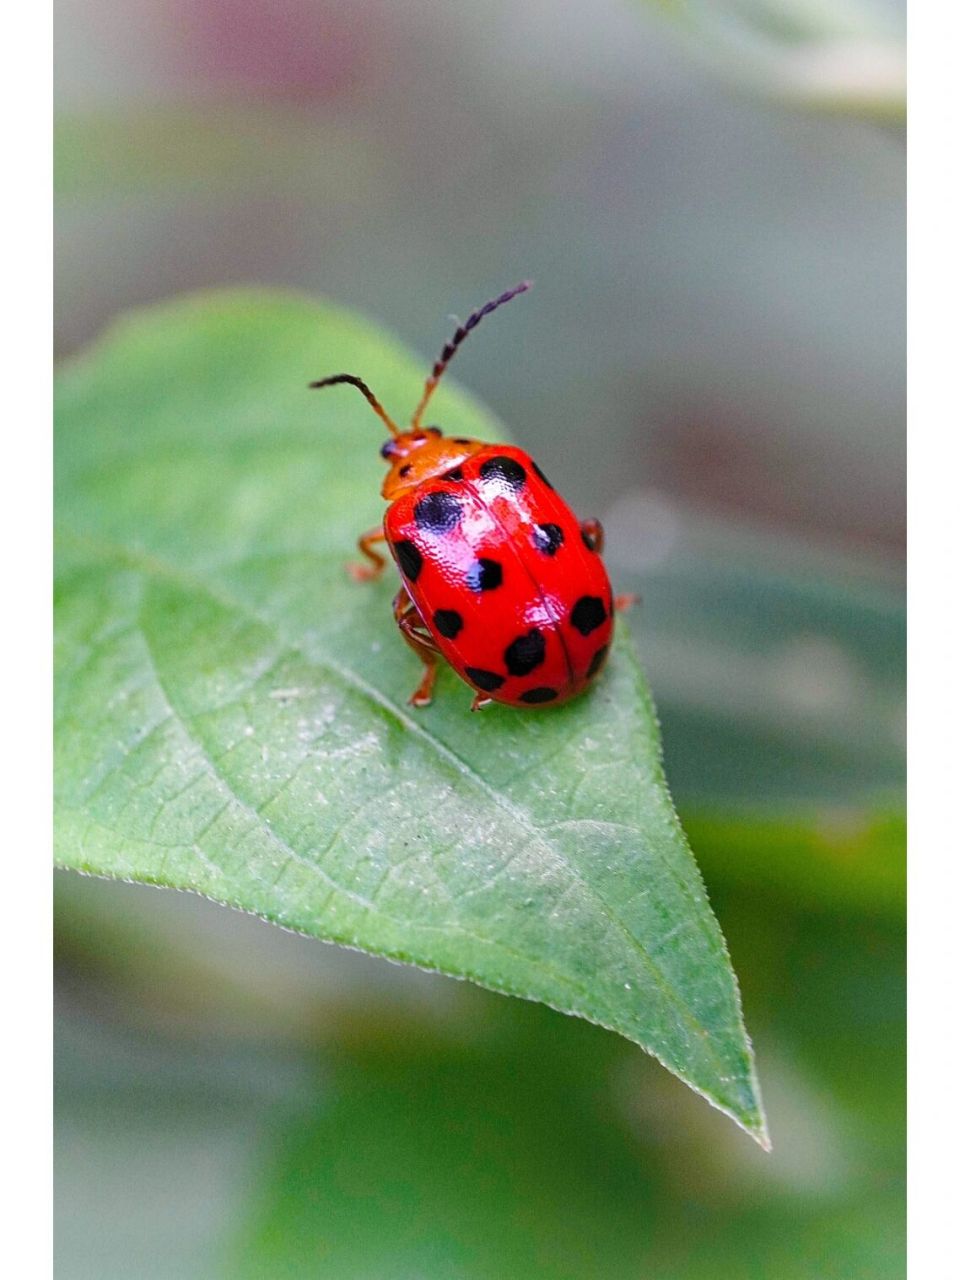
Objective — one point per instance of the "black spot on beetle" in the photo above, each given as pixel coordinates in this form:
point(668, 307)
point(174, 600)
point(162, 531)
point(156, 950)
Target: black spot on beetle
point(488, 681)
point(597, 661)
point(525, 653)
point(547, 538)
point(484, 575)
point(541, 694)
point(462, 440)
point(406, 469)
point(448, 622)
point(455, 474)
point(408, 558)
point(540, 474)
point(438, 512)
point(504, 470)
point(588, 613)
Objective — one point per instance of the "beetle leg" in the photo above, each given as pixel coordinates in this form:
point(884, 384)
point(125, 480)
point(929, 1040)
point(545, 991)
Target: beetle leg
point(625, 601)
point(367, 572)
point(408, 619)
point(592, 533)
point(480, 700)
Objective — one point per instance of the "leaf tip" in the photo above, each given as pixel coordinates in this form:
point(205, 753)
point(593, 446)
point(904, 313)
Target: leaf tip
point(755, 1124)
point(759, 1131)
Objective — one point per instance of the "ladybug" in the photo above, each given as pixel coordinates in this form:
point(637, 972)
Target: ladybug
point(499, 577)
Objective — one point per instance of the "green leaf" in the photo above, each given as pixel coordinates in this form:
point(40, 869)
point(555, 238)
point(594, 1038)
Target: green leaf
point(231, 708)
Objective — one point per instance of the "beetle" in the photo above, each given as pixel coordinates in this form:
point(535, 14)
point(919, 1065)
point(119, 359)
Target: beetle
point(498, 575)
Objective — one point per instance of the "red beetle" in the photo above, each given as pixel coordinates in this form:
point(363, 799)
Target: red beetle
point(499, 576)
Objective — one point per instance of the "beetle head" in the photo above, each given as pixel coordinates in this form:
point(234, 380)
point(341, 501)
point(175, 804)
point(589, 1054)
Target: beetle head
point(422, 454)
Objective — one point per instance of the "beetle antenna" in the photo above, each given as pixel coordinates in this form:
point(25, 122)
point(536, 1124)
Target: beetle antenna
point(450, 350)
point(365, 391)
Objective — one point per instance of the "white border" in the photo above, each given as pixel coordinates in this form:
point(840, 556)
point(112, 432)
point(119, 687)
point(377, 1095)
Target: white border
point(934, 653)
point(25, 739)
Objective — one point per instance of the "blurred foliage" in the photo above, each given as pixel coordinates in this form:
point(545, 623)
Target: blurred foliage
point(837, 859)
point(781, 687)
point(232, 148)
point(842, 56)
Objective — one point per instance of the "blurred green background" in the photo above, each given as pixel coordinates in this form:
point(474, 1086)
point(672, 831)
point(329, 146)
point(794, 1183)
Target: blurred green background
point(710, 198)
